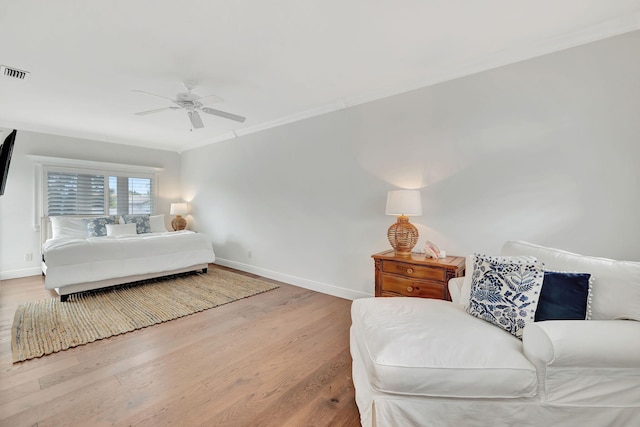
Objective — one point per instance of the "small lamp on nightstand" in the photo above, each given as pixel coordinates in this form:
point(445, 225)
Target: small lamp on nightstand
point(178, 209)
point(403, 235)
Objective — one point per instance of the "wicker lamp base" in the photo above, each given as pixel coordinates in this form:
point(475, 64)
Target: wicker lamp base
point(178, 223)
point(403, 236)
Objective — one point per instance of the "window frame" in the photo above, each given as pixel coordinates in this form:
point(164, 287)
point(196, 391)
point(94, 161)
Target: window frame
point(130, 175)
point(42, 165)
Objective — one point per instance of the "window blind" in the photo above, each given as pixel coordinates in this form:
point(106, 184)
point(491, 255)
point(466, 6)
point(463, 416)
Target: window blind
point(71, 193)
point(95, 192)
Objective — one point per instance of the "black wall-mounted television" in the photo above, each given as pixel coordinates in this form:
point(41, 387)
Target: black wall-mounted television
point(5, 158)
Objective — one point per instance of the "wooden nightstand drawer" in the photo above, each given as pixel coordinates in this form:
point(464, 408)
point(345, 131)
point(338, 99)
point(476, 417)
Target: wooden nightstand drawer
point(411, 288)
point(415, 275)
point(412, 270)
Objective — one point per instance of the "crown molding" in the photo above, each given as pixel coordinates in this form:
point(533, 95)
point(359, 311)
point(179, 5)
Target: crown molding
point(594, 33)
point(514, 55)
point(445, 72)
point(79, 134)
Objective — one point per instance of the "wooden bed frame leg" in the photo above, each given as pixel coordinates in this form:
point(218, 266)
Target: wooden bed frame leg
point(204, 270)
point(64, 298)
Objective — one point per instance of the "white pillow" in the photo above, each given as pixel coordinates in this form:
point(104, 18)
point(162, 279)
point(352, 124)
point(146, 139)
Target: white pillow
point(121, 229)
point(68, 228)
point(616, 284)
point(157, 223)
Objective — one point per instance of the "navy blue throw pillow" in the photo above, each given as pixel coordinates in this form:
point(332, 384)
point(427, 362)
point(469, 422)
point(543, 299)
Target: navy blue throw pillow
point(563, 296)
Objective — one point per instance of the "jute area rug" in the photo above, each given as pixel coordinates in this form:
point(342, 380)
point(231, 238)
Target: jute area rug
point(48, 326)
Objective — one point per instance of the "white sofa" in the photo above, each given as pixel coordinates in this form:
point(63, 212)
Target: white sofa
point(421, 362)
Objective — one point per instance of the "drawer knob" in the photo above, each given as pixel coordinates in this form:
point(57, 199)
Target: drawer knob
point(409, 288)
point(409, 270)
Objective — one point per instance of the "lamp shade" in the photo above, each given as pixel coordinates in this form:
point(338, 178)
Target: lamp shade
point(178, 209)
point(404, 202)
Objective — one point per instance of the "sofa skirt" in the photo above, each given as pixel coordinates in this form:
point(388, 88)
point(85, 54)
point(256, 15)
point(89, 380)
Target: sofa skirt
point(392, 410)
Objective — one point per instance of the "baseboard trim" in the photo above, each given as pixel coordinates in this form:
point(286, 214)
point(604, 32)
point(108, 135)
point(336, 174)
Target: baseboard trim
point(281, 277)
point(16, 274)
point(336, 291)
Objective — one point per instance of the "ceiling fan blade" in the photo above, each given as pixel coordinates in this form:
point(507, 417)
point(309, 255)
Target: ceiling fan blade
point(196, 121)
point(224, 114)
point(157, 110)
point(210, 99)
point(153, 94)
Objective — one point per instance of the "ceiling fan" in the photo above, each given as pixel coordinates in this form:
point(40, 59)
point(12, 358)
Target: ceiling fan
point(192, 103)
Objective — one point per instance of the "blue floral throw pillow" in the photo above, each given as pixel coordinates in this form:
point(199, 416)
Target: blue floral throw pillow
point(505, 291)
point(142, 222)
point(97, 227)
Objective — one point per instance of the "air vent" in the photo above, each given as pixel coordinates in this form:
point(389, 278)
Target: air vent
point(13, 73)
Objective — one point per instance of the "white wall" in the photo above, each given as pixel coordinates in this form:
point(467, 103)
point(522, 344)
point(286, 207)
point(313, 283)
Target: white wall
point(17, 235)
point(545, 150)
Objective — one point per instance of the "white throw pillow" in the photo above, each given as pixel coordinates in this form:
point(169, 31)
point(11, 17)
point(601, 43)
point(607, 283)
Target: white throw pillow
point(68, 228)
point(157, 223)
point(616, 284)
point(121, 229)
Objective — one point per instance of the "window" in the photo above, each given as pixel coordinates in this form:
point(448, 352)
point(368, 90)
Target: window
point(128, 195)
point(70, 191)
point(65, 186)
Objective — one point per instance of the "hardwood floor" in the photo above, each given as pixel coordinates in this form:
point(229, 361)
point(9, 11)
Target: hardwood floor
point(276, 359)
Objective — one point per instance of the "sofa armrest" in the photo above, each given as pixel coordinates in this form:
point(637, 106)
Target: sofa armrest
point(584, 344)
point(455, 285)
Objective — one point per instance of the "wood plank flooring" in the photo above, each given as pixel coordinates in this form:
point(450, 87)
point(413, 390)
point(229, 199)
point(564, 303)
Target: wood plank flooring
point(276, 359)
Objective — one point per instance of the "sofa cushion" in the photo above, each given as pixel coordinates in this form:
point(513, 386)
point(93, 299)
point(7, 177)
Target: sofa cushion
point(430, 347)
point(615, 284)
point(564, 296)
point(588, 364)
point(505, 291)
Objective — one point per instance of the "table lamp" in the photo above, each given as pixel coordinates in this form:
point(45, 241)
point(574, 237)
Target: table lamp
point(403, 235)
point(178, 209)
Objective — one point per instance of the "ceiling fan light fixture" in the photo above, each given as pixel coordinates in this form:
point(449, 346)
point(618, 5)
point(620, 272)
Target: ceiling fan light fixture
point(192, 103)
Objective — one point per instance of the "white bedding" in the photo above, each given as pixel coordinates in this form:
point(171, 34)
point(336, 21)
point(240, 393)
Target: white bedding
point(81, 260)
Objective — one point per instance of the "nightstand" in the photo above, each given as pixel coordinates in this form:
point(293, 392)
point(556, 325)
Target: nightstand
point(415, 276)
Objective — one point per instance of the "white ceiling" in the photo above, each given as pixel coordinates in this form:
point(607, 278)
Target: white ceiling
point(272, 61)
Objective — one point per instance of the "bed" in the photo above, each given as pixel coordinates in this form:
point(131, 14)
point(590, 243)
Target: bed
point(82, 254)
